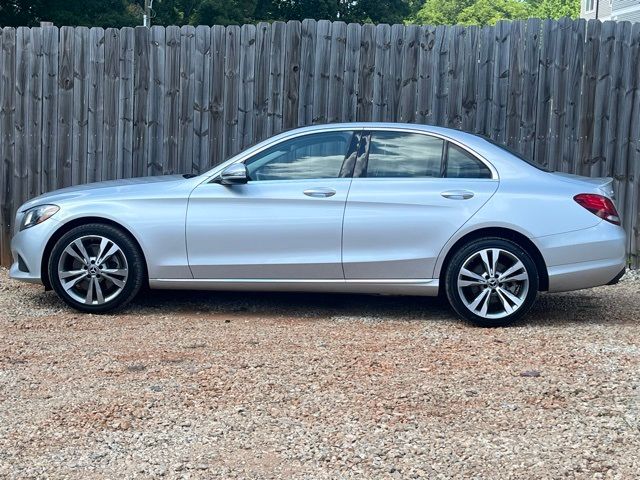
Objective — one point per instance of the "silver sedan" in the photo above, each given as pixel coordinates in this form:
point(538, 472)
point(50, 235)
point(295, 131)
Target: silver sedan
point(364, 207)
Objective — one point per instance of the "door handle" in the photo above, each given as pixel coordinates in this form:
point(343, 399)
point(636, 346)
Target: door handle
point(457, 194)
point(319, 192)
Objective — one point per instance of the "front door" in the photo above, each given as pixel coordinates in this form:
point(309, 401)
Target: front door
point(285, 223)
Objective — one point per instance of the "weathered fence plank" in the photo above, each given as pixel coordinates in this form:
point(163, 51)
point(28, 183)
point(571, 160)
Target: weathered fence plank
point(469, 67)
point(393, 80)
point(291, 93)
point(632, 204)
point(499, 96)
point(80, 145)
point(171, 100)
point(7, 150)
point(351, 69)
point(201, 99)
point(531, 62)
point(230, 94)
point(426, 69)
point(515, 85)
point(23, 81)
point(141, 87)
point(186, 99)
point(545, 78)
point(380, 93)
point(110, 166)
point(587, 97)
point(456, 62)
point(336, 71)
point(602, 99)
point(575, 53)
point(366, 73)
point(247, 77)
point(259, 109)
point(321, 72)
point(276, 78)
point(34, 149)
point(155, 139)
point(50, 107)
point(125, 104)
point(65, 106)
point(309, 31)
point(621, 168)
point(217, 118)
point(485, 82)
point(79, 105)
point(409, 77)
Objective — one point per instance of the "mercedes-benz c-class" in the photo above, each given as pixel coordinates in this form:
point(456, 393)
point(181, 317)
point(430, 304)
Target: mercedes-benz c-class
point(364, 207)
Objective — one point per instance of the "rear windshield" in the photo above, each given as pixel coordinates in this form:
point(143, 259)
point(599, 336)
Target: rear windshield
point(516, 154)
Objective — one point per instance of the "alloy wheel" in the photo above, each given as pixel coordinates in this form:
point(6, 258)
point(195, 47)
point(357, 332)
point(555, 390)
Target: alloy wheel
point(493, 283)
point(93, 270)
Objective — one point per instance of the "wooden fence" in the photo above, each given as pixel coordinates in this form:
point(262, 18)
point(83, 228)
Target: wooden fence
point(80, 105)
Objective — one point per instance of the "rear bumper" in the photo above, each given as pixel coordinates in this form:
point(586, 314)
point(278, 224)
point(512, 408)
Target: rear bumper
point(587, 258)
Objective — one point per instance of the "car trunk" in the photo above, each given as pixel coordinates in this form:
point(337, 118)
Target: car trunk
point(604, 184)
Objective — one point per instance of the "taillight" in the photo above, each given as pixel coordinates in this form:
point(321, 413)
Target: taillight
point(600, 206)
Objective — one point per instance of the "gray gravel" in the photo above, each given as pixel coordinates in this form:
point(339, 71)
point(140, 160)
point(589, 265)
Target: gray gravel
point(212, 385)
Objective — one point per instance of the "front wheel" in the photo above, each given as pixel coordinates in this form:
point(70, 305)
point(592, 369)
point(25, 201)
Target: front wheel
point(491, 282)
point(96, 268)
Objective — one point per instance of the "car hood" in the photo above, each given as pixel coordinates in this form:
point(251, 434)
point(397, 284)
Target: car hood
point(73, 192)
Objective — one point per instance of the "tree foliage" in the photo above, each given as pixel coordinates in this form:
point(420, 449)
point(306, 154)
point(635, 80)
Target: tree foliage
point(488, 12)
point(119, 13)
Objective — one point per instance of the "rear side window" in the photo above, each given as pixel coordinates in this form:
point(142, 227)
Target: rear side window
point(461, 164)
point(402, 154)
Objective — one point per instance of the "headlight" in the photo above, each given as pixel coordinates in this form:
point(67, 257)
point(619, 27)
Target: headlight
point(37, 215)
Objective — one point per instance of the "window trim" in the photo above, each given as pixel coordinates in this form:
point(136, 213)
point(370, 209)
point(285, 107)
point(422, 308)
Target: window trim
point(363, 161)
point(593, 6)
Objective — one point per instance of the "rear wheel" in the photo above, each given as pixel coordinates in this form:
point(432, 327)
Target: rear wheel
point(491, 282)
point(96, 268)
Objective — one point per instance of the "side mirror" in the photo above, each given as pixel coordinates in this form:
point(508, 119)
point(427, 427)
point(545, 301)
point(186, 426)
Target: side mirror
point(235, 174)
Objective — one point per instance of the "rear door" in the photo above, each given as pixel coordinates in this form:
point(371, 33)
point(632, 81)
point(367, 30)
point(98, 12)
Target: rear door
point(285, 223)
point(410, 193)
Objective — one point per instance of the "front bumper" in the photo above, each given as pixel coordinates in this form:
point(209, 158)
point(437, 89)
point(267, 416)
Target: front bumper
point(586, 258)
point(29, 245)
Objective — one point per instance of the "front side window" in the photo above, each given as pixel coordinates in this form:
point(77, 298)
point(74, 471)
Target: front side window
point(402, 154)
point(317, 155)
point(461, 164)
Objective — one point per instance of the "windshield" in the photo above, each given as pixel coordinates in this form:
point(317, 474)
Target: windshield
point(516, 154)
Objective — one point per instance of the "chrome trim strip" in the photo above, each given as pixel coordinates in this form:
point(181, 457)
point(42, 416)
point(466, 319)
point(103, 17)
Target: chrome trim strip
point(421, 287)
point(375, 281)
point(356, 127)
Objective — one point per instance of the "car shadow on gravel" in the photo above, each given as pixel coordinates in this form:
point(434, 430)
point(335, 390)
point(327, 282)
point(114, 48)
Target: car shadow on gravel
point(582, 307)
point(300, 305)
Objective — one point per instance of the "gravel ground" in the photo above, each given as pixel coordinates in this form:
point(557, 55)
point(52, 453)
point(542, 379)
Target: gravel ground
point(213, 385)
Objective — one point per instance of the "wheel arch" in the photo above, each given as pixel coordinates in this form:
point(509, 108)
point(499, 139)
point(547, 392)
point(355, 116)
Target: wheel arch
point(70, 225)
point(508, 234)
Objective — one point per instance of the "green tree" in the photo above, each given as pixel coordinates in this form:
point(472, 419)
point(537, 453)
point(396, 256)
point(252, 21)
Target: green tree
point(223, 12)
point(556, 8)
point(488, 12)
point(441, 12)
point(100, 13)
point(15, 13)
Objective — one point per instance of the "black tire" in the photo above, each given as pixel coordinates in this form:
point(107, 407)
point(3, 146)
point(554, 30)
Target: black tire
point(496, 299)
point(129, 252)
